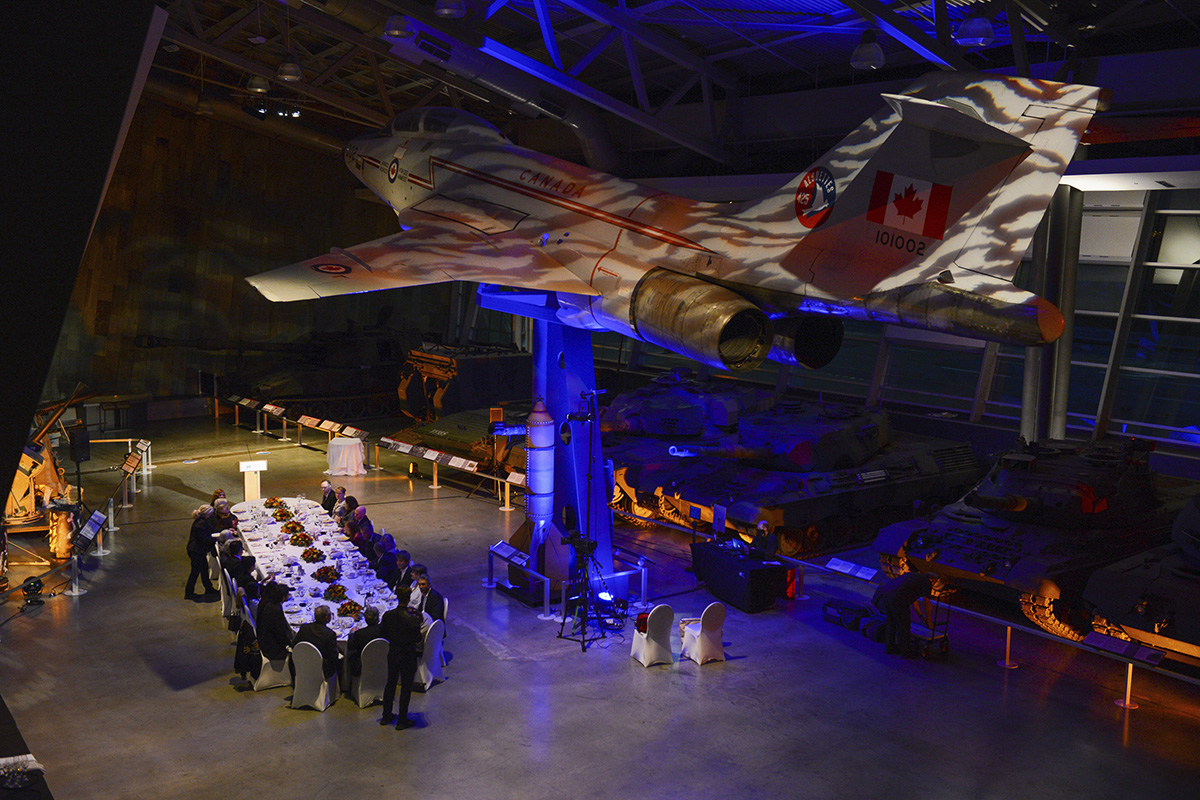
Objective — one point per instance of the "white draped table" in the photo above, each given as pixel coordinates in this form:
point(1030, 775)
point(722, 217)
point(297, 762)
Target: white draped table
point(274, 555)
point(346, 456)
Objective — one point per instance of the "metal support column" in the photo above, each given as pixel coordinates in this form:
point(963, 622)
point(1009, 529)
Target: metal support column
point(1066, 221)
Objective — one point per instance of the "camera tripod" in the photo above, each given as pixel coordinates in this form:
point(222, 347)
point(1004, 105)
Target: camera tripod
point(581, 603)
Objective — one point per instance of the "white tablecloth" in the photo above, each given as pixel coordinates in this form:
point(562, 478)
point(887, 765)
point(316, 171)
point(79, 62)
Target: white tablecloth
point(346, 456)
point(274, 555)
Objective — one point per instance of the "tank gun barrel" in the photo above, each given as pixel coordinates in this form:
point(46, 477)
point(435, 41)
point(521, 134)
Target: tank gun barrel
point(736, 453)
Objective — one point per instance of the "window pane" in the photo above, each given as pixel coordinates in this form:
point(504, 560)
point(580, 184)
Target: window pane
point(1158, 400)
point(1171, 346)
point(1093, 338)
point(1100, 287)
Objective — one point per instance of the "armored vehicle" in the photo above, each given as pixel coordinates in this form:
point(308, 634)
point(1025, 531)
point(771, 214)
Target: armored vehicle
point(1154, 596)
point(1044, 518)
point(821, 475)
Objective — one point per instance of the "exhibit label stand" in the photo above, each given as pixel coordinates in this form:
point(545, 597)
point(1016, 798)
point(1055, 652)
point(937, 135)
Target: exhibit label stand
point(1007, 663)
point(252, 484)
point(83, 540)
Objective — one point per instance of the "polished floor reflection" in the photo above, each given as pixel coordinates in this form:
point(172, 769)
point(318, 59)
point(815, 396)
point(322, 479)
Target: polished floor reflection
point(128, 691)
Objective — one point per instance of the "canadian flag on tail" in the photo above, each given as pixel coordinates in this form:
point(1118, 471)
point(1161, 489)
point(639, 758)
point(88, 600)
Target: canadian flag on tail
point(911, 205)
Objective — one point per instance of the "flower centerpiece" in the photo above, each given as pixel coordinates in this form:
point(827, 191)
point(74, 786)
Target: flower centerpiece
point(300, 539)
point(350, 609)
point(273, 502)
point(327, 574)
point(335, 592)
point(293, 526)
point(281, 515)
point(312, 555)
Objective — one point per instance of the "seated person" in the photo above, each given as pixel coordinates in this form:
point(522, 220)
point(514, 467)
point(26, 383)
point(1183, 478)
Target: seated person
point(219, 494)
point(344, 510)
point(383, 544)
point(328, 497)
point(231, 557)
point(424, 597)
point(404, 576)
point(360, 638)
point(274, 632)
point(320, 635)
point(247, 583)
point(224, 518)
point(386, 569)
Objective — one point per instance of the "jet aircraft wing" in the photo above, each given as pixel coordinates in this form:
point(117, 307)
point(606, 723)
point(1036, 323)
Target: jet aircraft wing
point(419, 255)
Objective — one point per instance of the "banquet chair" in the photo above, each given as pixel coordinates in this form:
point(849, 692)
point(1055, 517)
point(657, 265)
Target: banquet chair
point(368, 687)
point(214, 566)
point(654, 646)
point(702, 637)
point(230, 607)
point(445, 619)
point(429, 670)
point(313, 689)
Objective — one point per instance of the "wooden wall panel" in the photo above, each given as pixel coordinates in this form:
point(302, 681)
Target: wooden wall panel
point(194, 208)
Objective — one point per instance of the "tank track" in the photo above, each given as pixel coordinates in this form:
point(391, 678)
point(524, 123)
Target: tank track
point(1101, 625)
point(1049, 615)
point(631, 512)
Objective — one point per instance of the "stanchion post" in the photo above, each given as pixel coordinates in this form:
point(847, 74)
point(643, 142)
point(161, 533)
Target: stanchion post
point(1127, 703)
point(148, 461)
point(237, 415)
point(258, 422)
point(100, 551)
point(299, 434)
point(284, 438)
point(125, 493)
point(435, 485)
point(490, 581)
point(1007, 663)
point(507, 497)
point(75, 590)
point(377, 464)
point(112, 519)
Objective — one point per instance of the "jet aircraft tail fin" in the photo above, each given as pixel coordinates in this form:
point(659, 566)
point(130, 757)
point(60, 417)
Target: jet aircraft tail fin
point(946, 184)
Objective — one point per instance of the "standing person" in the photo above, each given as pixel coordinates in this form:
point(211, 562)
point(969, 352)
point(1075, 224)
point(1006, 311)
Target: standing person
point(200, 543)
point(329, 498)
point(894, 598)
point(402, 628)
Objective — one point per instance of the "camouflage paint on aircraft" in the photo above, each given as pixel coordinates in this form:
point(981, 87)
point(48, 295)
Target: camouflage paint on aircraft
point(919, 217)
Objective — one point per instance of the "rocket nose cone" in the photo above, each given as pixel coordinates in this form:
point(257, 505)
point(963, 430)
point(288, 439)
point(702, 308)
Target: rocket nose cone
point(1049, 320)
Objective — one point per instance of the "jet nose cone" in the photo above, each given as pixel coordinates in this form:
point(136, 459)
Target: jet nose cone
point(1050, 320)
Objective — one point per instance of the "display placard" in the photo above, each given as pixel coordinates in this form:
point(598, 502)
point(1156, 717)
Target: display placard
point(309, 422)
point(87, 532)
point(330, 425)
point(252, 466)
point(397, 446)
point(354, 433)
point(516, 478)
point(274, 411)
point(142, 446)
point(131, 463)
point(234, 398)
point(245, 401)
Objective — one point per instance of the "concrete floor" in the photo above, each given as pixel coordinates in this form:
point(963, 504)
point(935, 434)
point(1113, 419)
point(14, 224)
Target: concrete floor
point(128, 691)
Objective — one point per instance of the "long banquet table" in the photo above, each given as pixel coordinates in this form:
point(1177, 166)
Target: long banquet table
point(274, 555)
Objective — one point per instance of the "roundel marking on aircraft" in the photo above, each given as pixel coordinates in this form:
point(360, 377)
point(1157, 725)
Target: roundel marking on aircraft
point(393, 170)
point(809, 210)
point(332, 269)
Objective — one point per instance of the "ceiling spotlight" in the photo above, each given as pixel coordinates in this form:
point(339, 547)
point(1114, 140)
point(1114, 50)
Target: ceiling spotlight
point(975, 30)
point(257, 85)
point(868, 54)
point(450, 9)
point(289, 70)
point(397, 27)
point(204, 108)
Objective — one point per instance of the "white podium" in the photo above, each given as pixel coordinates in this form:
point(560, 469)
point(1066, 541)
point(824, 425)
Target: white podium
point(252, 484)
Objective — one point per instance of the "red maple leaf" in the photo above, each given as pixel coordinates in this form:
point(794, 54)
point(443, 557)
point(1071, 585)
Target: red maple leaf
point(908, 204)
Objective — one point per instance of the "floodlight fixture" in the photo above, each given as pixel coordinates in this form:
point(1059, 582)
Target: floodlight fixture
point(398, 27)
point(868, 54)
point(450, 9)
point(975, 30)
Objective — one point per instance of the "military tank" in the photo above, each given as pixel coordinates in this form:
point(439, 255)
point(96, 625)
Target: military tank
point(821, 475)
point(1154, 596)
point(1044, 519)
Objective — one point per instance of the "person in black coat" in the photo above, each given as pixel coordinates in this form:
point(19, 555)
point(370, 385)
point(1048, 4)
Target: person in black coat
point(328, 497)
point(320, 635)
point(274, 632)
point(429, 600)
point(360, 638)
point(894, 599)
point(200, 544)
point(404, 575)
point(402, 628)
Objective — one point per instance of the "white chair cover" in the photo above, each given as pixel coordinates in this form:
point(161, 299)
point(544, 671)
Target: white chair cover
point(273, 674)
point(312, 690)
point(702, 640)
point(367, 687)
point(214, 567)
point(227, 597)
point(429, 670)
point(445, 619)
point(654, 646)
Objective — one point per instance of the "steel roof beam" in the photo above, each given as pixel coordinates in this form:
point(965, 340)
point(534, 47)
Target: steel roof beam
point(907, 33)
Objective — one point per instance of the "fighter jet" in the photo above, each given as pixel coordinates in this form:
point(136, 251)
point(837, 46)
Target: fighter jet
point(919, 217)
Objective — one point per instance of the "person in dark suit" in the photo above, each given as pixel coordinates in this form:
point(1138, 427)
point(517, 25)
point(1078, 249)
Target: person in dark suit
point(200, 544)
point(274, 632)
point(402, 628)
point(320, 635)
point(329, 498)
point(360, 638)
point(404, 576)
point(429, 599)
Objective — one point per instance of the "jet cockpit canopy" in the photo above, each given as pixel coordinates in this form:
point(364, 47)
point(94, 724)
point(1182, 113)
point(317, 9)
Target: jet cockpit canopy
point(454, 124)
